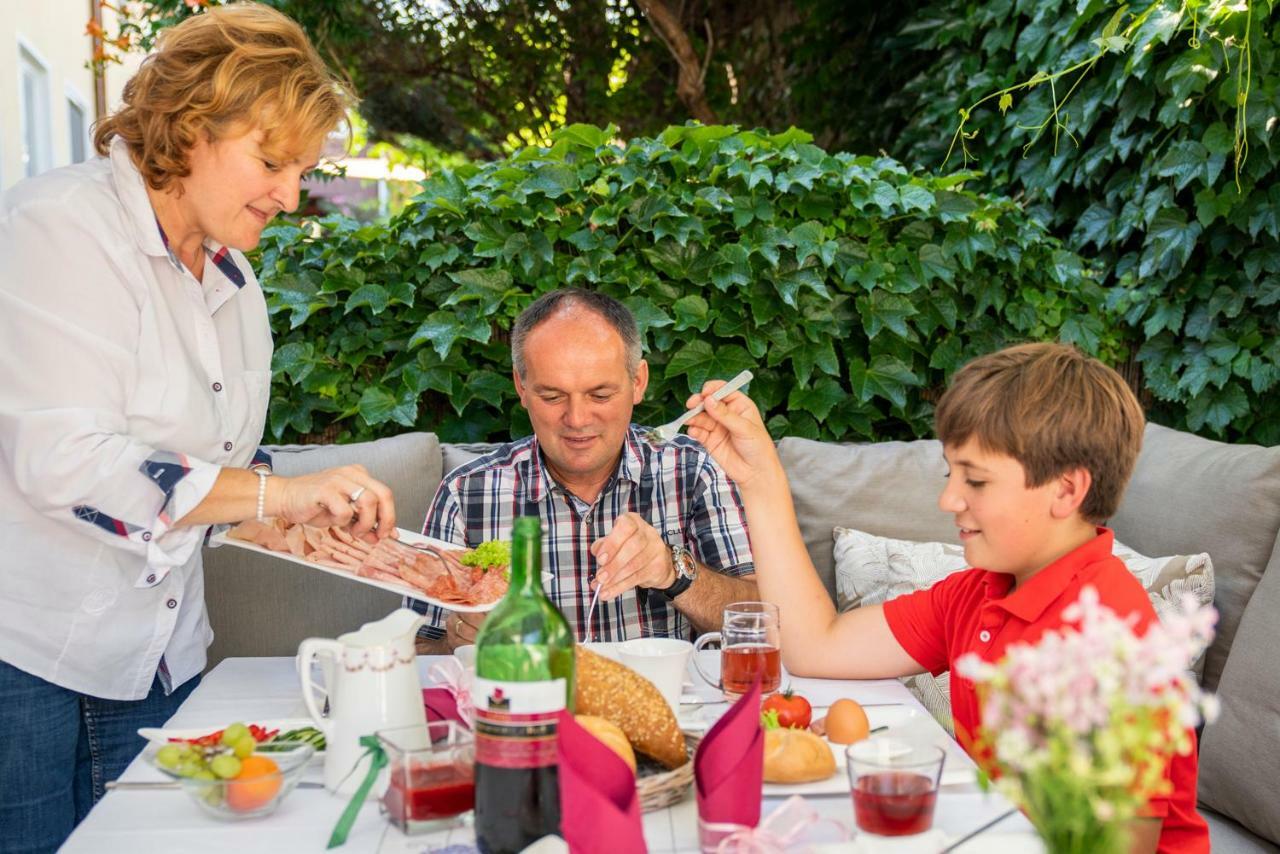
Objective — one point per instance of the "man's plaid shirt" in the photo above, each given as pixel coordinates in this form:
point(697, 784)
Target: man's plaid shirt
point(677, 487)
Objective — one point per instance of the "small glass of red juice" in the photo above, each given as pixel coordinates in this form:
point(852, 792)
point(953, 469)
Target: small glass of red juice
point(750, 641)
point(431, 779)
point(895, 785)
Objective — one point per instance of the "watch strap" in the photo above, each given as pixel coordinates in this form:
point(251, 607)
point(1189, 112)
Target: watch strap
point(682, 561)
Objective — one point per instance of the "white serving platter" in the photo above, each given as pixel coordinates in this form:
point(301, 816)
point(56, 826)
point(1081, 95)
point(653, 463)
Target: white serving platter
point(221, 539)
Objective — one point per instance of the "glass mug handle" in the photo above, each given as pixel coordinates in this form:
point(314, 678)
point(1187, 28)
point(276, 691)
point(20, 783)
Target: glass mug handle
point(710, 637)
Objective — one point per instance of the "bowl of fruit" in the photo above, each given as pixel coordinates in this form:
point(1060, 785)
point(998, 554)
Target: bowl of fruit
point(231, 774)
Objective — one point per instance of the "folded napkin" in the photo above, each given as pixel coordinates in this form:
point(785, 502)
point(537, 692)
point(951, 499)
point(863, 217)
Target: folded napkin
point(450, 700)
point(728, 771)
point(599, 808)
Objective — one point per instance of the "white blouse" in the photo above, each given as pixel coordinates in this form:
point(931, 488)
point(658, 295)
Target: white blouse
point(125, 386)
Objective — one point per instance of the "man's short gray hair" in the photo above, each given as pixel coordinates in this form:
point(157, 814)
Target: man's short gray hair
point(615, 313)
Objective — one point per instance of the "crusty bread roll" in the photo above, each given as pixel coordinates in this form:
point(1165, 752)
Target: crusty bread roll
point(618, 694)
point(796, 756)
point(613, 738)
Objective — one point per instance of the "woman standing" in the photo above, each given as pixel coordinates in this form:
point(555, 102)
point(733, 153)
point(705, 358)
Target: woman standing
point(133, 393)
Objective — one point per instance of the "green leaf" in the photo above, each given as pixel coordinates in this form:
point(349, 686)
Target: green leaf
point(487, 287)
point(1184, 161)
point(936, 264)
point(553, 179)
point(1164, 315)
point(1218, 139)
point(807, 238)
point(588, 136)
point(648, 316)
point(880, 310)
point(915, 197)
point(887, 377)
point(1170, 242)
point(698, 361)
point(1085, 331)
point(378, 405)
point(693, 312)
point(819, 400)
point(374, 296)
point(1216, 409)
point(1093, 226)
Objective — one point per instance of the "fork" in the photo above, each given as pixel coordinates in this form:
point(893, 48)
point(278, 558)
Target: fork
point(667, 432)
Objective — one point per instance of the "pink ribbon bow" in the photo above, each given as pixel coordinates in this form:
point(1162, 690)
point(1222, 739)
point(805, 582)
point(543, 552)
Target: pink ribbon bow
point(450, 676)
point(786, 826)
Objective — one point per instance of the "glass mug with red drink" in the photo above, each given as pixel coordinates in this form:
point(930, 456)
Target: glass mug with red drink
point(431, 776)
point(750, 646)
point(895, 785)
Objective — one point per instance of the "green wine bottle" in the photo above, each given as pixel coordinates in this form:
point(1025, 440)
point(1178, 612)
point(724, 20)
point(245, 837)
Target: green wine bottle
point(524, 678)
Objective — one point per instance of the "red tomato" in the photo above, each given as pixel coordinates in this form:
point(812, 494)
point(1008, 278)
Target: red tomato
point(793, 710)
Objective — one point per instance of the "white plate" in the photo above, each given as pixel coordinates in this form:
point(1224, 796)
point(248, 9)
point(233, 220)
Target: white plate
point(161, 736)
point(410, 537)
point(899, 719)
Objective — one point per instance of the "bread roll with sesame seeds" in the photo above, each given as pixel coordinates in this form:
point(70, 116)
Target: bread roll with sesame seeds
point(618, 694)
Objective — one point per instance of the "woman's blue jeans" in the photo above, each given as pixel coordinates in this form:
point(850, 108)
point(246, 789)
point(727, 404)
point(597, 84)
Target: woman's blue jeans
point(58, 748)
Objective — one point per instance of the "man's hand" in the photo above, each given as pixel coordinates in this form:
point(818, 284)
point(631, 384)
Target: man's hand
point(461, 629)
point(632, 555)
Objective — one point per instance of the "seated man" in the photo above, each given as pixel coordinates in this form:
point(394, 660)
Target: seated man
point(660, 528)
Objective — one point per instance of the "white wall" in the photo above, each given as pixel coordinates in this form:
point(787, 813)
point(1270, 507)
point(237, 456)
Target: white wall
point(52, 32)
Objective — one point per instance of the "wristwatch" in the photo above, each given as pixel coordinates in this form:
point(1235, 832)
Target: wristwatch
point(686, 570)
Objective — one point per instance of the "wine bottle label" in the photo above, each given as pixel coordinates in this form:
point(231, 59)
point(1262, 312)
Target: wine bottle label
point(516, 722)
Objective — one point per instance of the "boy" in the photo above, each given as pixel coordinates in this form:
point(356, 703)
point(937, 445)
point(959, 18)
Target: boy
point(1040, 441)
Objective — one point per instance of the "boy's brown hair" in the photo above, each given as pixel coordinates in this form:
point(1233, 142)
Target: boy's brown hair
point(1053, 409)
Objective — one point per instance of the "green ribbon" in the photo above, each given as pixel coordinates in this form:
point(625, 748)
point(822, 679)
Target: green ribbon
point(377, 761)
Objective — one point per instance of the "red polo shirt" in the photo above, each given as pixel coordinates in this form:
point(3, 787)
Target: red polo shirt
point(973, 611)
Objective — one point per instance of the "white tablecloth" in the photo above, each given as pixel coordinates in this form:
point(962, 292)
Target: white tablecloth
point(264, 689)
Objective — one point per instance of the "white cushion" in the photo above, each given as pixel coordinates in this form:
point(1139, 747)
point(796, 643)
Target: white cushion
point(870, 570)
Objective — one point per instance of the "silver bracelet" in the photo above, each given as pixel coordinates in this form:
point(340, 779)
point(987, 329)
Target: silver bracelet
point(262, 492)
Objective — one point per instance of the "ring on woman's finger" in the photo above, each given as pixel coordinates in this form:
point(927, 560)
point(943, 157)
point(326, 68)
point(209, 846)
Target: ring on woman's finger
point(355, 496)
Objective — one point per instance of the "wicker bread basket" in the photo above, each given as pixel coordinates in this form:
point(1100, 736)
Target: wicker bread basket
point(659, 788)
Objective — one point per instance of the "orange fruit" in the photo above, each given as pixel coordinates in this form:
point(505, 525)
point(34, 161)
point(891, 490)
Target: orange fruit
point(255, 785)
point(847, 722)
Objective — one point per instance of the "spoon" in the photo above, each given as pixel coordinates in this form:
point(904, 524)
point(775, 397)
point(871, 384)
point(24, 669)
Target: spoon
point(667, 432)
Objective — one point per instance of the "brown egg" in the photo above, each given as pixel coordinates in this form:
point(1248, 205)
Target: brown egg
point(847, 722)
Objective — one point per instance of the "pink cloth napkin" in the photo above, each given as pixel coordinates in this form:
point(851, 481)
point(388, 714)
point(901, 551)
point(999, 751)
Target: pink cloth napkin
point(441, 705)
point(728, 769)
point(599, 808)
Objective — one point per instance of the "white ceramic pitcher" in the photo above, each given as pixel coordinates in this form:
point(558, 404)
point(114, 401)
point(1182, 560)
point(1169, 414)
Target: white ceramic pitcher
point(373, 684)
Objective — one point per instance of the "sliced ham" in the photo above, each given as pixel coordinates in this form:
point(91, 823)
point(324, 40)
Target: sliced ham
point(437, 573)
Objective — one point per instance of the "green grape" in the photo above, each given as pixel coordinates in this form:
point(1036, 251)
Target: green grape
point(234, 733)
point(245, 746)
point(204, 774)
point(188, 769)
point(169, 756)
point(213, 795)
point(225, 766)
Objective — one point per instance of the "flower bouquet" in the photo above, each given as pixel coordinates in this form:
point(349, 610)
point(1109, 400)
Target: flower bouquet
point(1078, 729)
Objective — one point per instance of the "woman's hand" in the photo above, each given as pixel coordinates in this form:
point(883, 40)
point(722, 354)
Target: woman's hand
point(341, 496)
point(734, 434)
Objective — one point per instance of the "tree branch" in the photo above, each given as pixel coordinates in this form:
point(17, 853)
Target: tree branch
point(689, 85)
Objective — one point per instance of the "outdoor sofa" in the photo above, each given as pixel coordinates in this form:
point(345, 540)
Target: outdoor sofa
point(1189, 495)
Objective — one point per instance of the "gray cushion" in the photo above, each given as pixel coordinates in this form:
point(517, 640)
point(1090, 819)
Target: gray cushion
point(1240, 752)
point(1227, 837)
point(885, 488)
point(266, 606)
point(1191, 495)
point(460, 454)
